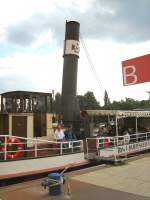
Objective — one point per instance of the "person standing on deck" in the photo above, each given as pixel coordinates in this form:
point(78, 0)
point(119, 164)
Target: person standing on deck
point(70, 136)
point(59, 135)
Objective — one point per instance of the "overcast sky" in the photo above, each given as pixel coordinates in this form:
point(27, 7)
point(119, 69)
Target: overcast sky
point(32, 40)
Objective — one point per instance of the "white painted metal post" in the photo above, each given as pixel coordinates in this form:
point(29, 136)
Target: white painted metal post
point(116, 146)
point(71, 144)
point(136, 129)
point(61, 150)
point(87, 149)
point(5, 148)
point(146, 136)
point(81, 145)
point(117, 129)
point(35, 148)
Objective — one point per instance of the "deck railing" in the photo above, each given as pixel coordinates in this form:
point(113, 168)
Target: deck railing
point(106, 147)
point(14, 147)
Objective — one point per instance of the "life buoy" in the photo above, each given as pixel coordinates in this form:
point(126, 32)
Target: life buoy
point(83, 114)
point(18, 152)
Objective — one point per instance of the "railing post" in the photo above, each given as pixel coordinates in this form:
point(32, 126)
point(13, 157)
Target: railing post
point(35, 148)
point(146, 136)
point(87, 149)
point(61, 150)
point(72, 144)
point(5, 148)
point(81, 145)
point(116, 148)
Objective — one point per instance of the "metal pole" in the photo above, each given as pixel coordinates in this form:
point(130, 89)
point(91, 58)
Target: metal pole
point(136, 129)
point(35, 150)
point(116, 147)
point(53, 98)
point(117, 129)
point(5, 148)
point(61, 150)
point(72, 145)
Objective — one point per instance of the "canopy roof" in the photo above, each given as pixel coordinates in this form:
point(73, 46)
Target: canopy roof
point(118, 113)
point(24, 93)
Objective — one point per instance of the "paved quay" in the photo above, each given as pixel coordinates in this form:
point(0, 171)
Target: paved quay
point(133, 177)
point(126, 182)
point(32, 166)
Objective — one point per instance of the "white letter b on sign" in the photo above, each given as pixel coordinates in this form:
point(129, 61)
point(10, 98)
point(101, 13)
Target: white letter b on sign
point(129, 75)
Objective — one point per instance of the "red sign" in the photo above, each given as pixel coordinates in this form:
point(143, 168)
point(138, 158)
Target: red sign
point(136, 70)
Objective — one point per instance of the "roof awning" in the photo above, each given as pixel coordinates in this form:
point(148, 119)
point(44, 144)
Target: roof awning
point(118, 113)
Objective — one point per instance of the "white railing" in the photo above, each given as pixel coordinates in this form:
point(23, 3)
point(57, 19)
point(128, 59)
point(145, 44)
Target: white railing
point(106, 147)
point(14, 147)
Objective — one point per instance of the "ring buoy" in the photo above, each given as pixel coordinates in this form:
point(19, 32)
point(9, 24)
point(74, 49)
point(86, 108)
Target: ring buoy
point(18, 152)
point(83, 114)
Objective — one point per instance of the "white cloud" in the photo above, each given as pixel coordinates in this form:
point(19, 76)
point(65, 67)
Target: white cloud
point(45, 71)
point(35, 27)
point(12, 12)
point(106, 57)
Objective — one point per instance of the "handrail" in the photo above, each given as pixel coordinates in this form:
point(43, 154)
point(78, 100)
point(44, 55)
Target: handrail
point(35, 147)
point(117, 145)
point(27, 138)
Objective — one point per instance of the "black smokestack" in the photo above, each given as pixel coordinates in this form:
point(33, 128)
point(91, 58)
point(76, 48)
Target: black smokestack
point(70, 107)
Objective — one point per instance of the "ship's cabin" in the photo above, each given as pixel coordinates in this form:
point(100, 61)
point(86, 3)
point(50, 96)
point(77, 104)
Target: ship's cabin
point(26, 114)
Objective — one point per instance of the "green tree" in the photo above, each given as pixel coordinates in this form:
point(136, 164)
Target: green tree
point(106, 100)
point(88, 102)
point(128, 104)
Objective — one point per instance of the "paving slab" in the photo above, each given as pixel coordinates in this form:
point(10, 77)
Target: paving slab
point(32, 190)
point(96, 183)
point(133, 177)
point(32, 166)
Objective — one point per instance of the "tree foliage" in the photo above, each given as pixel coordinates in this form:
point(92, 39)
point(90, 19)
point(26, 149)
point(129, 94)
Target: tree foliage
point(88, 102)
point(106, 99)
point(128, 104)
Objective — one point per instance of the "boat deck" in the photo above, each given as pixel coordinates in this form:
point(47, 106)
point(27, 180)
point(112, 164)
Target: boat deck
point(126, 182)
point(21, 168)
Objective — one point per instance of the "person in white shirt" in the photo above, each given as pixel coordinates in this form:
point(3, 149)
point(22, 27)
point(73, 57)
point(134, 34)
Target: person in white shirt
point(126, 137)
point(59, 135)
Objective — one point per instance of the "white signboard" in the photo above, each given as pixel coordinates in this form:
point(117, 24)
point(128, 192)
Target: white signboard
point(130, 148)
point(72, 47)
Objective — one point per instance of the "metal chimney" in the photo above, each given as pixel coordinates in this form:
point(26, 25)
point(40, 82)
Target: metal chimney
point(70, 107)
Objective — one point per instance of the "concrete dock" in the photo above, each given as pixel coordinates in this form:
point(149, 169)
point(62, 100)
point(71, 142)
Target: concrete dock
point(34, 166)
point(132, 178)
point(126, 182)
